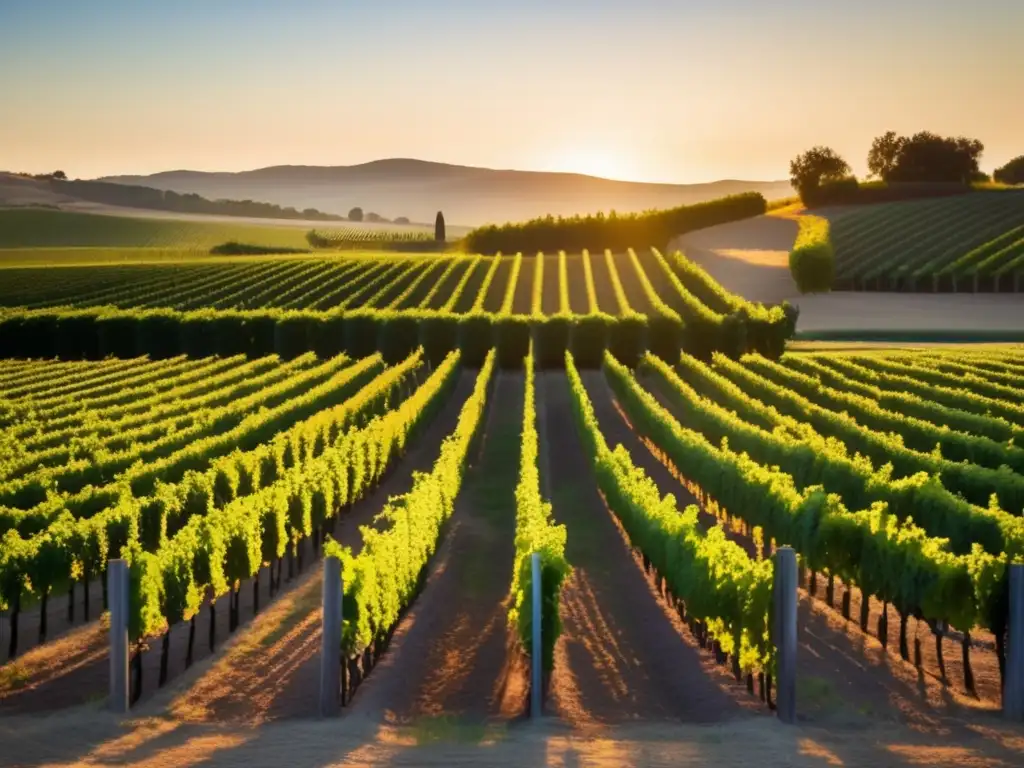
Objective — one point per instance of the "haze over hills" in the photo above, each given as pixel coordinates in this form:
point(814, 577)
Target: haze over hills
point(417, 189)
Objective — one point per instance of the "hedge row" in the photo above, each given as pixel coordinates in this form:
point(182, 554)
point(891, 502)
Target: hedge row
point(96, 333)
point(812, 262)
point(617, 232)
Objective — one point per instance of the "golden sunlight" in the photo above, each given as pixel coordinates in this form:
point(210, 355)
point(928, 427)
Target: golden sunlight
point(594, 161)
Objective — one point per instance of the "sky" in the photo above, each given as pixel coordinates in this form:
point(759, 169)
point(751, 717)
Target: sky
point(648, 90)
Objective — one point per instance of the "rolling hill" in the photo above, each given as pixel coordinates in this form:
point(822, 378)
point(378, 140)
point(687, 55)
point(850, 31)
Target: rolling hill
point(417, 189)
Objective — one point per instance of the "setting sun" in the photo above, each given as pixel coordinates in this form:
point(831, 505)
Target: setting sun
point(594, 161)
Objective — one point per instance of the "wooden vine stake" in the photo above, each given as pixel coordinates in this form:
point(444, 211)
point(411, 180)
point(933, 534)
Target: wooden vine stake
point(330, 640)
point(536, 652)
point(785, 604)
point(1013, 689)
point(117, 591)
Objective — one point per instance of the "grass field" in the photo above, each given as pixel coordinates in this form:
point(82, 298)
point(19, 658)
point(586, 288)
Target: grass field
point(967, 243)
point(25, 228)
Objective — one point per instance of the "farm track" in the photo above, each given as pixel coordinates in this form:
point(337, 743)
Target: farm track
point(578, 302)
point(638, 299)
point(622, 654)
point(847, 676)
point(550, 296)
point(453, 655)
point(447, 286)
point(606, 301)
point(496, 290)
point(472, 287)
point(522, 301)
point(73, 669)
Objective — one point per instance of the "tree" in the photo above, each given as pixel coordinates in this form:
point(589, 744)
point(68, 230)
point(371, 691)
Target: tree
point(1012, 172)
point(884, 154)
point(439, 234)
point(356, 214)
point(60, 175)
point(815, 166)
point(927, 157)
point(402, 220)
point(374, 217)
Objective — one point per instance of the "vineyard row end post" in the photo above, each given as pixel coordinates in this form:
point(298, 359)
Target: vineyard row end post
point(330, 641)
point(117, 592)
point(1013, 690)
point(536, 651)
point(785, 597)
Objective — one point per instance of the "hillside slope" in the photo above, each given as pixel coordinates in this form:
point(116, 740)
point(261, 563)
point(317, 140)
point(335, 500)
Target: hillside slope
point(968, 243)
point(467, 195)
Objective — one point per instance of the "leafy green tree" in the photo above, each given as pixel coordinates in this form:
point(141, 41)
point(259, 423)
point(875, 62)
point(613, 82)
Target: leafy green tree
point(884, 154)
point(818, 165)
point(1012, 172)
point(356, 214)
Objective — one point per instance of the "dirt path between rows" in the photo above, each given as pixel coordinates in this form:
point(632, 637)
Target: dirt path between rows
point(846, 679)
point(452, 662)
point(271, 671)
point(623, 655)
point(73, 670)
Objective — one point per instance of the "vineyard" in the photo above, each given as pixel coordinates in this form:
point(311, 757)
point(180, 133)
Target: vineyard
point(972, 243)
point(655, 489)
point(389, 303)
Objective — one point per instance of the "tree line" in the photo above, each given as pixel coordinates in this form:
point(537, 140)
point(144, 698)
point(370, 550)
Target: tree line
point(924, 164)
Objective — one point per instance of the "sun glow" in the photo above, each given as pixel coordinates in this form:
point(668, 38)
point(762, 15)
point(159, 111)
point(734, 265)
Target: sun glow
point(594, 161)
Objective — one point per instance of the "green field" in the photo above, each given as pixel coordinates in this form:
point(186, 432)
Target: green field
point(37, 228)
point(966, 243)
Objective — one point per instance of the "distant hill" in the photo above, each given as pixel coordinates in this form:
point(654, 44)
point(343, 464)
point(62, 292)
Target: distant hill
point(417, 189)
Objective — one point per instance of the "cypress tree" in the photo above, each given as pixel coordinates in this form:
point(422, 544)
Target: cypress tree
point(439, 227)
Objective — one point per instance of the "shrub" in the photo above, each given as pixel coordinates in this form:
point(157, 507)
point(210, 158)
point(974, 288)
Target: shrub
point(475, 338)
point(512, 338)
point(1011, 173)
point(234, 248)
point(196, 339)
point(76, 336)
point(118, 335)
point(665, 336)
point(551, 336)
point(361, 333)
point(589, 339)
point(159, 334)
point(627, 338)
point(259, 331)
point(292, 335)
point(618, 232)
point(36, 336)
point(439, 335)
point(398, 336)
point(327, 334)
point(812, 261)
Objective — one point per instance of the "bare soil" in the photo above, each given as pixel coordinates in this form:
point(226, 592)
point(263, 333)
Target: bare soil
point(578, 301)
point(453, 661)
point(606, 301)
point(749, 257)
point(634, 290)
point(623, 654)
point(550, 297)
point(496, 290)
point(272, 670)
point(522, 301)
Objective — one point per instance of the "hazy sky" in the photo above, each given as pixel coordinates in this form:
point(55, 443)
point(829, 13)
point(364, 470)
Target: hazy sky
point(654, 90)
